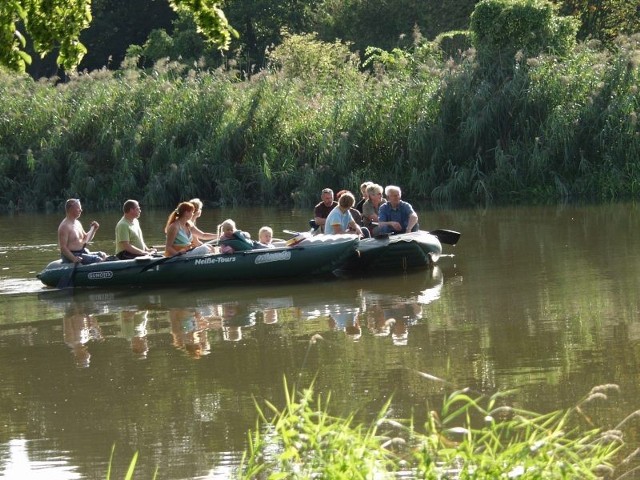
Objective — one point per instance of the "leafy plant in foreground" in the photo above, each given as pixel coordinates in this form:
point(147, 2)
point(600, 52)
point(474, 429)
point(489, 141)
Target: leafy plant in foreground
point(470, 438)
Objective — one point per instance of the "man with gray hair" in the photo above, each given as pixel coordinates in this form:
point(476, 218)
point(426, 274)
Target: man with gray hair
point(72, 239)
point(396, 216)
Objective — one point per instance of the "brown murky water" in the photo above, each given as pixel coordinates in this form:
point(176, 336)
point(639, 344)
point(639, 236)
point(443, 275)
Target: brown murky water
point(541, 299)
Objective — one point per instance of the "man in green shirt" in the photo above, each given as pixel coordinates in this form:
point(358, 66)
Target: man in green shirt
point(129, 240)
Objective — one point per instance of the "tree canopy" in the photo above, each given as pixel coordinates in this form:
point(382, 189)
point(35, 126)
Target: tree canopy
point(49, 25)
point(57, 25)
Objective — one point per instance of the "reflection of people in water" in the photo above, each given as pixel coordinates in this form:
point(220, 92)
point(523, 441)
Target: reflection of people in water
point(232, 333)
point(393, 319)
point(77, 329)
point(133, 325)
point(189, 330)
point(376, 321)
point(403, 315)
point(234, 317)
point(347, 321)
point(270, 316)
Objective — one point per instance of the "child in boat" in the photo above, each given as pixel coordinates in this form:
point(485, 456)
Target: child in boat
point(265, 236)
point(232, 239)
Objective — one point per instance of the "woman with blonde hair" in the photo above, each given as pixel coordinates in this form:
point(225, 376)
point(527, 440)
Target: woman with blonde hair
point(371, 207)
point(198, 234)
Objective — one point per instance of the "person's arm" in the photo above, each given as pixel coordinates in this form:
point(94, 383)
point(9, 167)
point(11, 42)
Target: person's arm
point(128, 247)
point(336, 228)
point(413, 220)
point(200, 235)
point(355, 227)
point(88, 236)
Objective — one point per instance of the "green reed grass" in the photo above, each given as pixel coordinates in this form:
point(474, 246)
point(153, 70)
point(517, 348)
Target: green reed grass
point(471, 437)
point(541, 127)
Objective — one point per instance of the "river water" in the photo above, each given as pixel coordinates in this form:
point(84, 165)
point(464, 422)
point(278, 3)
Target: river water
point(543, 300)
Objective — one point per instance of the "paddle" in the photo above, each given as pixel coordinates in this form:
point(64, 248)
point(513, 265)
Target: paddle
point(66, 281)
point(160, 261)
point(450, 237)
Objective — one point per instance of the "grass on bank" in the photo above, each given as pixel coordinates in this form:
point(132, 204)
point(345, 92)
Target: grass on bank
point(471, 437)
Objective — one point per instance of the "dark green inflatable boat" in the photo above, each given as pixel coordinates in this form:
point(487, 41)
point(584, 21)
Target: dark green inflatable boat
point(313, 256)
point(402, 252)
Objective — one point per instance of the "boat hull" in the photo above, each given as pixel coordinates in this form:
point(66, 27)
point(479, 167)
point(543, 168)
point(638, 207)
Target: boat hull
point(313, 257)
point(400, 252)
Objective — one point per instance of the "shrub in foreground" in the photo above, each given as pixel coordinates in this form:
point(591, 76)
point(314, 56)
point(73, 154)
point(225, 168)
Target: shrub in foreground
point(470, 438)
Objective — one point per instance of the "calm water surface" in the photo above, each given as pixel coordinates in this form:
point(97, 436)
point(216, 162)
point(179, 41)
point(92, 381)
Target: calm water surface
point(542, 300)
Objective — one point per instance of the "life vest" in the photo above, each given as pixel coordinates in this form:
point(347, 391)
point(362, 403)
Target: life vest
point(239, 242)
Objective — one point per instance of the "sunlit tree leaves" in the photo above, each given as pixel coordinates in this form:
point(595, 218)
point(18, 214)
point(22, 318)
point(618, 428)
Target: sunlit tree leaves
point(50, 24)
point(57, 24)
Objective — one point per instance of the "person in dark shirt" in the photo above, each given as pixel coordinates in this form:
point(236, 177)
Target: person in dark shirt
point(322, 209)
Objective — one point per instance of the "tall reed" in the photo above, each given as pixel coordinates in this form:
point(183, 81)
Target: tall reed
point(545, 128)
point(471, 436)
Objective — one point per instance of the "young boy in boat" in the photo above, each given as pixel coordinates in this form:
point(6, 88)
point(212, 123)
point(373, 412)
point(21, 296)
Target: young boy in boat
point(72, 238)
point(265, 236)
point(340, 220)
point(232, 239)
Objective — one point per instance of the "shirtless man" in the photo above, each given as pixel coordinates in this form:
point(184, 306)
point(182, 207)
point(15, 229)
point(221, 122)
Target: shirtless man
point(72, 238)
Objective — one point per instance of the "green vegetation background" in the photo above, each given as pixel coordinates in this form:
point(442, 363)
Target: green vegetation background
point(514, 109)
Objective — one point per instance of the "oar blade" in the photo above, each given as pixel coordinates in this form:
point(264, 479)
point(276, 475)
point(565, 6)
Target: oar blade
point(66, 280)
point(450, 237)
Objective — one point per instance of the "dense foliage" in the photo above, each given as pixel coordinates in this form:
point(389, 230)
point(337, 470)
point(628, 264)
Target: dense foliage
point(547, 119)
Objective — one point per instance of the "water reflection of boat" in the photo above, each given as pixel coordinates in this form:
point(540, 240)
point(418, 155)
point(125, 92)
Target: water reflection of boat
point(192, 316)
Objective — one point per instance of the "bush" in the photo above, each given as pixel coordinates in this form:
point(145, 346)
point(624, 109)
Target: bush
point(500, 28)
